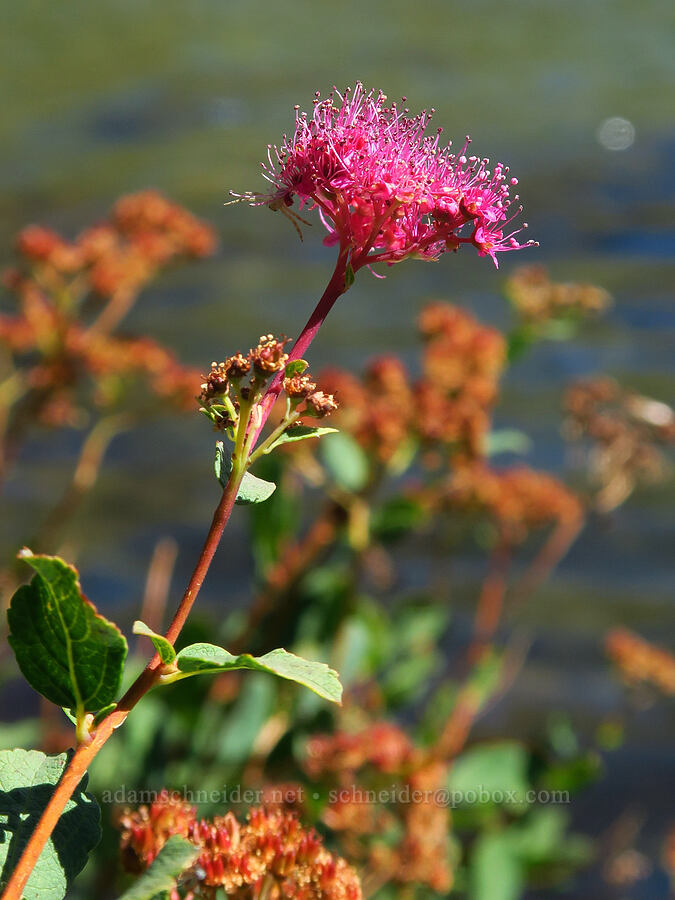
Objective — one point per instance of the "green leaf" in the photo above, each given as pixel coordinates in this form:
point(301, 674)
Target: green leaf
point(295, 367)
point(251, 489)
point(507, 440)
point(65, 649)
point(165, 648)
point(396, 517)
point(27, 781)
point(317, 676)
point(492, 773)
point(299, 433)
point(349, 276)
point(173, 859)
point(497, 873)
point(254, 490)
point(346, 462)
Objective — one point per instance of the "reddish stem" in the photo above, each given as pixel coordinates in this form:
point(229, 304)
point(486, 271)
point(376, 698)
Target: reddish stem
point(335, 287)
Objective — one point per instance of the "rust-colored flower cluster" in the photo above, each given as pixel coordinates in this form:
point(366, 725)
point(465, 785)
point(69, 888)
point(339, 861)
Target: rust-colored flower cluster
point(271, 855)
point(537, 299)
point(518, 500)
point(72, 295)
point(147, 829)
point(448, 406)
point(381, 745)
point(359, 764)
point(462, 363)
point(640, 661)
point(144, 233)
point(627, 432)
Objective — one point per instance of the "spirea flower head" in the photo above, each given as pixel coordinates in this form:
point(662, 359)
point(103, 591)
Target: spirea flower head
point(385, 189)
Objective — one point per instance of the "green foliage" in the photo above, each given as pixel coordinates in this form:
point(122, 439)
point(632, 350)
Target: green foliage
point(165, 648)
point(492, 773)
point(299, 433)
point(65, 649)
point(295, 367)
point(27, 781)
point(274, 523)
point(317, 676)
point(346, 462)
point(507, 440)
point(251, 489)
point(497, 872)
point(396, 517)
point(172, 860)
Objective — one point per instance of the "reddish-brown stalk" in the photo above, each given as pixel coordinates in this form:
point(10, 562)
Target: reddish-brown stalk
point(334, 289)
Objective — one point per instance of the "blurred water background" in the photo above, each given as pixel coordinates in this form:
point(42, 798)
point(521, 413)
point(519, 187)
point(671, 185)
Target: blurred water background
point(105, 98)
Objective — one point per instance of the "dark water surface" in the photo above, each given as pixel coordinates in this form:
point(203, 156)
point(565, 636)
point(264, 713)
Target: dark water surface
point(100, 99)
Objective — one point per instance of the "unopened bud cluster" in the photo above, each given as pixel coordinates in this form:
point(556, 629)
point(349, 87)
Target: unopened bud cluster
point(269, 855)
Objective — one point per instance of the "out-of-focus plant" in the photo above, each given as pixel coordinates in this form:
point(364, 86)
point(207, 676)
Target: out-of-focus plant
point(624, 435)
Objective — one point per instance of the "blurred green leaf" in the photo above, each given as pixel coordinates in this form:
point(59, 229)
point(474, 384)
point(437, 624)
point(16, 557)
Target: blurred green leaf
point(255, 703)
point(165, 649)
point(492, 773)
point(408, 676)
point(65, 649)
point(346, 462)
point(507, 440)
point(173, 859)
point(317, 676)
point(395, 518)
point(497, 873)
point(574, 774)
point(27, 782)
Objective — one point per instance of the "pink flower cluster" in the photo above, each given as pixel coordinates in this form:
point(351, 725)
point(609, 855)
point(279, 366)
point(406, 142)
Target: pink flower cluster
point(386, 191)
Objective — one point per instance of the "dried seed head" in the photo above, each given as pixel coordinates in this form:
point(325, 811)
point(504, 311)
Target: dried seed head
point(320, 404)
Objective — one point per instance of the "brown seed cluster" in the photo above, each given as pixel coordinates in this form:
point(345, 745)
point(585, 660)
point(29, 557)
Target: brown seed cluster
point(626, 436)
point(269, 855)
point(639, 661)
point(518, 500)
point(360, 763)
point(268, 358)
point(538, 299)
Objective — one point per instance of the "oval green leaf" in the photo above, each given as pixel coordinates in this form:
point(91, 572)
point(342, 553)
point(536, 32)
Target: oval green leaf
point(65, 649)
point(317, 676)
